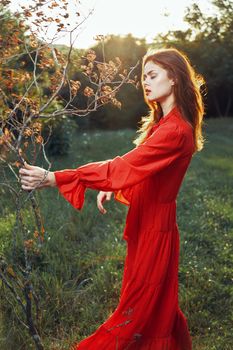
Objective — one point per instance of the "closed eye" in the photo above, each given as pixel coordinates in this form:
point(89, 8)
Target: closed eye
point(152, 74)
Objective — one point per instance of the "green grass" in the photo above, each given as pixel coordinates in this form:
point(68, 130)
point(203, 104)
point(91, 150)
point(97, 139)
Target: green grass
point(81, 262)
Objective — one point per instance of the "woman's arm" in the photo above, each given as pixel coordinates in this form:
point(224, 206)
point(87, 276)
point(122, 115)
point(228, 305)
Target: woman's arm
point(163, 147)
point(50, 181)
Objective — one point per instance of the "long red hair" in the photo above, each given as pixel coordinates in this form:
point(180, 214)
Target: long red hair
point(187, 93)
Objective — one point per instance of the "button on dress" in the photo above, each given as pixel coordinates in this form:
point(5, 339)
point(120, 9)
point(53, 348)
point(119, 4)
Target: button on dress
point(147, 179)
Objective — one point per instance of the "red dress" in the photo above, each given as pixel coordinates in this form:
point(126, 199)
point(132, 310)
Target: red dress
point(147, 179)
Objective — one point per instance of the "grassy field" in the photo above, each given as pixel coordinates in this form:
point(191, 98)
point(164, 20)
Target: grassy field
point(80, 268)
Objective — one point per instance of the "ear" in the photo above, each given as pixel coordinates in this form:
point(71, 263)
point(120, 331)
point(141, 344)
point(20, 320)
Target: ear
point(173, 81)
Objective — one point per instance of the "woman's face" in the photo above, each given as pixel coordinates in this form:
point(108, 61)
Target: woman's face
point(156, 84)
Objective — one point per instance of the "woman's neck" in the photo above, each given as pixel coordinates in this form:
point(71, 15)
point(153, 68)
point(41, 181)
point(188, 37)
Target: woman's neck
point(167, 105)
point(167, 109)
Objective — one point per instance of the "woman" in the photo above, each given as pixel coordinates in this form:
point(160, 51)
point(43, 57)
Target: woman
point(147, 179)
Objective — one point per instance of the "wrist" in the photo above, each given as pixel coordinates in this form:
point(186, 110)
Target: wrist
point(51, 180)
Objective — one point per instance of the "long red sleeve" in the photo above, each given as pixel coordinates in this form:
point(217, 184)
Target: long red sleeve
point(119, 174)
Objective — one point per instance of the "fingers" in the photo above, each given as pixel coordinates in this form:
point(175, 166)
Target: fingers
point(27, 166)
point(26, 180)
point(26, 188)
point(28, 169)
point(102, 196)
point(29, 183)
point(23, 171)
point(29, 179)
point(100, 199)
point(32, 177)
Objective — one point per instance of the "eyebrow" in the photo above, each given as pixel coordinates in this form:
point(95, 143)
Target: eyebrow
point(151, 71)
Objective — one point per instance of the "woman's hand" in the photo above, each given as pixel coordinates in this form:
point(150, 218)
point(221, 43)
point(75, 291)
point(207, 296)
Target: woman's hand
point(32, 177)
point(102, 196)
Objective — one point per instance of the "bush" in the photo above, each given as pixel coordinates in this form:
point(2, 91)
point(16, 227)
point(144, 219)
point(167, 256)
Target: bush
point(59, 135)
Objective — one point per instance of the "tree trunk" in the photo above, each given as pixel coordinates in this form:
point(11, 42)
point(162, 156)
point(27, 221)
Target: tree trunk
point(228, 106)
point(32, 329)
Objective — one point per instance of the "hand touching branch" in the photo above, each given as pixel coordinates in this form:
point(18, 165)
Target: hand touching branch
point(32, 177)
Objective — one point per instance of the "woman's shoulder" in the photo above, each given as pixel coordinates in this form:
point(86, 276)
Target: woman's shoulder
point(176, 128)
point(178, 124)
point(172, 126)
point(173, 129)
point(185, 130)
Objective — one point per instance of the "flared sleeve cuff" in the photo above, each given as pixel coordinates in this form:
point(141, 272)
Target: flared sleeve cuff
point(123, 196)
point(70, 187)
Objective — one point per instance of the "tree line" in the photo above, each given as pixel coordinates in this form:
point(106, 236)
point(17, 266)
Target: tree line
point(207, 43)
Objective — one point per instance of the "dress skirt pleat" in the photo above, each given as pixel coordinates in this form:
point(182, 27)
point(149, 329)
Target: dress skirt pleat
point(147, 316)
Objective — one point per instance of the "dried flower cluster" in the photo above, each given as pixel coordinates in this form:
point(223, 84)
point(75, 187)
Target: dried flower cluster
point(107, 77)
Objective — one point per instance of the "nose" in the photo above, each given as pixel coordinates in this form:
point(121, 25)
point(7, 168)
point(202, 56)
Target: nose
point(146, 86)
point(145, 82)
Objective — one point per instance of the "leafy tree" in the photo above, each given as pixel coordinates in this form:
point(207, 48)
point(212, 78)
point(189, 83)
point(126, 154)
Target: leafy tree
point(130, 50)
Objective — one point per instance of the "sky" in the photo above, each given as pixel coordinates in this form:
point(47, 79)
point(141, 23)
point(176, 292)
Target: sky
point(141, 18)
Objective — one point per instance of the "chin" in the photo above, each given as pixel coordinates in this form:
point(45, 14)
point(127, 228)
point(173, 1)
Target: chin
point(152, 99)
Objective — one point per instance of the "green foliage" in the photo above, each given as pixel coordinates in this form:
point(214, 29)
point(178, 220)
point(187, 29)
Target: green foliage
point(112, 118)
point(130, 50)
point(6, 227)
point(59, 134)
